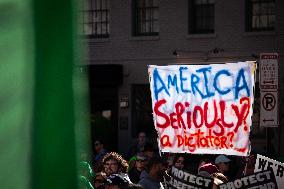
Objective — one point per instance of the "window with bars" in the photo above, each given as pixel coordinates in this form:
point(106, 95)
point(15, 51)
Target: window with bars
point(260, 15)
point(146, 17)
point(95, 15)
point(201, 16)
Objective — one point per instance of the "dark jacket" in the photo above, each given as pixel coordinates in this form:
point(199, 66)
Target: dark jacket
point(148, 183)
point(134, 175)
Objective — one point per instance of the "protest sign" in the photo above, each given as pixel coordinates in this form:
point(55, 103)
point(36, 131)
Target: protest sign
point(263, 179)
point(183, 179)
point(264, 163)
point(203, 108)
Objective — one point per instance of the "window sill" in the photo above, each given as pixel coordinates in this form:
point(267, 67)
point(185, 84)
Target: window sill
point(259, 33)
point(144, 38)
point(97, 40)
point(201, 36)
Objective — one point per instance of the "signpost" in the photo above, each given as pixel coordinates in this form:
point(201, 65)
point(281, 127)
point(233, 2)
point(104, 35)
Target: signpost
point(269, 71)
point(269, 90)
point(268, 110)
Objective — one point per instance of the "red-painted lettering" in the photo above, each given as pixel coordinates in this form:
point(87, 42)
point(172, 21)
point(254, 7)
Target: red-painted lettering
point(180, 110)
point(173, 119)
point(221, 132)
point(223, 107)
point(223, 142)
point(160, 114)
point(180, 140)
point(165, 141)
point(209, 125)
point(195, 111)
point(217, 141)
point(188, 118)
point(239, 115)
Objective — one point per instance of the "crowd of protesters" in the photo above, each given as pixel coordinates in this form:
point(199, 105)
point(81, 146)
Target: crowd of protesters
point(144, 168)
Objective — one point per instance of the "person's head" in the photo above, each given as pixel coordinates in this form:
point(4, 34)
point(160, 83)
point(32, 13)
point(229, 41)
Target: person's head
point(179, 161)
point(207, 170)
point(114, 163)
point(141, 138)
point(140, 161)
point(98, 145)
point(222, 163)
point(100, 180)
point(202, 162)
point(156, 168)
point(149, 150)
point(170, 159)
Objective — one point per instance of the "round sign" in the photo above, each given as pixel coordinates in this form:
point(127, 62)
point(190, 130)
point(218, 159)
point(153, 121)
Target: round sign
point(268, 101)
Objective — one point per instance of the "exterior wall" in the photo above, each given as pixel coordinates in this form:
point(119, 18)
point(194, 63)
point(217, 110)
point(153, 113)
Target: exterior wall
point(135, 53)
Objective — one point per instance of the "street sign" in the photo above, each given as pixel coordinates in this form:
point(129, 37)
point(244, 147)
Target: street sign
point(269, 71)
point(269, 109)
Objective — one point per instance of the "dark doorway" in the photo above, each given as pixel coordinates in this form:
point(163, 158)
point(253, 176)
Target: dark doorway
point(103, 86)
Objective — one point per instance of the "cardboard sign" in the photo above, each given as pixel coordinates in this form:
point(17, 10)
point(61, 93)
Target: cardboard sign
point(203, 108)
point(264, 163)
point(263, 179)
point(183, 179)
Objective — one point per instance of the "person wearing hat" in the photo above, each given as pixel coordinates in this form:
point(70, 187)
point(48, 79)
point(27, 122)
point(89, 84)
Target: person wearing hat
point(139, 165)
point(211, 171)
point(207, 170)
point(222, 162)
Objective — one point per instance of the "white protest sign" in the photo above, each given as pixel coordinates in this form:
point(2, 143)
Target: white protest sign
point(264, 163)
point(203, 108)
point(262, 179)
point(183, 179)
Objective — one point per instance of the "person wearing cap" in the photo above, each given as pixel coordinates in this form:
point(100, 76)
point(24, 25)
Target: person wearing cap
point(211, 171)
point(222, 162)
point(152, 177)
point(139, 165)
point(207, 170)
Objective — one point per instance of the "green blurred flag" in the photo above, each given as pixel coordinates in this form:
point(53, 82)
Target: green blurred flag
point(37, 120)
point(16, 89)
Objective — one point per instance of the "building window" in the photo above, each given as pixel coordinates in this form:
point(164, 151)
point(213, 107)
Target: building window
point(201, 16)
point(260, 15)
point(96, 18)
point(146, 17)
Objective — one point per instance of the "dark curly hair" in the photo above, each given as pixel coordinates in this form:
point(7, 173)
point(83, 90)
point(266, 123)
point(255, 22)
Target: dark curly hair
point(122, 163)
